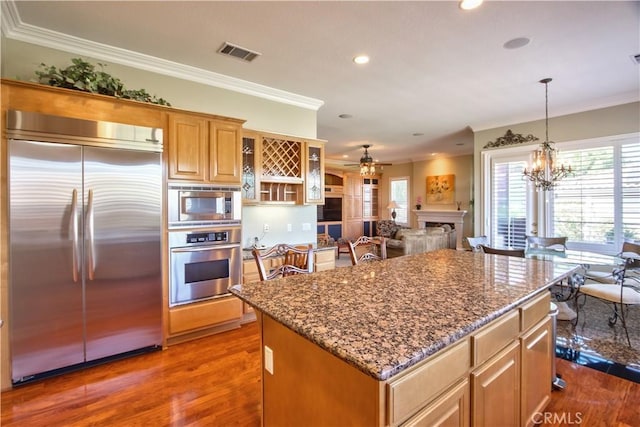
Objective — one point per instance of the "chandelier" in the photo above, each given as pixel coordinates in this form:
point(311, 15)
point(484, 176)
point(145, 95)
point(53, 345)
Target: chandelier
point(544, 173)
point(367, 167)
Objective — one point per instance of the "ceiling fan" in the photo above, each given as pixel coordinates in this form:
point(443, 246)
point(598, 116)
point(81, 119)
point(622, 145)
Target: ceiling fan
point(367, 165)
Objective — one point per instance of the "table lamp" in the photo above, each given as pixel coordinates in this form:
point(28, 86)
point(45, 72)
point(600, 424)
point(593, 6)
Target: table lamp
point(393, 205)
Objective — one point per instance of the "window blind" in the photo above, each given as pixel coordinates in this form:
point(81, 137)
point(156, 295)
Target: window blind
point(509, 205)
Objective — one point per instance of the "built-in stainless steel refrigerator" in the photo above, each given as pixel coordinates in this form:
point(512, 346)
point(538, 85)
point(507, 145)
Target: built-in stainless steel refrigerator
point(85, 242)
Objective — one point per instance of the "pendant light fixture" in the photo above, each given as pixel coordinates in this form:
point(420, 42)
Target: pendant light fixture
point(543, 172)
point(367, 167)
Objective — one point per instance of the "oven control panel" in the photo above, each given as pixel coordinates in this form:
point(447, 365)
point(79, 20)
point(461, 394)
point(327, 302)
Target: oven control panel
point(216, 237)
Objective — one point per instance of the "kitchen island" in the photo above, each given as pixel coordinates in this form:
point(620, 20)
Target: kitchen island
point(445, 333)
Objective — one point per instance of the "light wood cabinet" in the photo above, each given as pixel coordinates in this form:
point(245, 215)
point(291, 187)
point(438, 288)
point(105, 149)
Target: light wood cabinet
point(314, 173)
point(537, 353)
point(187, 147)
point(225, 147)
point(282, 170)
point(352, 207)
point(325, 259)
point(250, 187)
point(204, 150)
point(498, 375)
point(537, 350)
point(449, 410)
point(496, 390)
point(361, 205)
point(190, 317)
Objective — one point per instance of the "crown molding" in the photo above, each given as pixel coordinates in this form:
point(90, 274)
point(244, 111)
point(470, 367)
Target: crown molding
point(14, 28)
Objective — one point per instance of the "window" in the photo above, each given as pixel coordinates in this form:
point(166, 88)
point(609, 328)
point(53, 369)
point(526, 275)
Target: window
point(399, 188)
point(509, 204)
point(598, 207)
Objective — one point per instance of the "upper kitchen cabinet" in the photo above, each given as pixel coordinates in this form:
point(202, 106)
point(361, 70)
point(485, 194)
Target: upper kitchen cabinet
point(282, 170)
point(205, 149)
point(250, 164)
point(314, 180)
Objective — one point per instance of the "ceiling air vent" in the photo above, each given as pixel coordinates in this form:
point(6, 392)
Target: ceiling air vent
point(238, 52)
point(636, 58)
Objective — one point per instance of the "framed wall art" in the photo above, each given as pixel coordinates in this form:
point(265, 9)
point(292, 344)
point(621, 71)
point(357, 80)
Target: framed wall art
point(441, 189)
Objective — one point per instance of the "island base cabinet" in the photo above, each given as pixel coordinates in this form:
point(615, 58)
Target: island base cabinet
point(537, 358)
point(308, 386)
point(450, 410)
point(495, 390)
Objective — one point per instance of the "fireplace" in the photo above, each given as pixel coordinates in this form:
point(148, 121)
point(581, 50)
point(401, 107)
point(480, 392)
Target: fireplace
point(443, 217)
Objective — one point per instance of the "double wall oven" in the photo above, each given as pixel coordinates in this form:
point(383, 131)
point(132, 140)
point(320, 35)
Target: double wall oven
point(205, 256)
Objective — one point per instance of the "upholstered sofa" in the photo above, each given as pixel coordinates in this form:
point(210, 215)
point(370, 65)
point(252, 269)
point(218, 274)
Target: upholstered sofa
point(406, 241)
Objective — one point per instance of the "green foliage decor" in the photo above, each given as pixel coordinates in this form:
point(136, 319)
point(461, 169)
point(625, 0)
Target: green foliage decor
point(83, 76)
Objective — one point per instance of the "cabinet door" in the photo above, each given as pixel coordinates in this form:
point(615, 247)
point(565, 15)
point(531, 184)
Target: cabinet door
point(537, 358)
point(250, 174)
point(495, 389)
point(187, 147)
point(314, 176)
point(451, 409)
point(225, 148)
point(325, 260)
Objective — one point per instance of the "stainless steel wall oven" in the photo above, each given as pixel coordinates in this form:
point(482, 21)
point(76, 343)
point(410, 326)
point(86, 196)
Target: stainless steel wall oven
point(203, 263)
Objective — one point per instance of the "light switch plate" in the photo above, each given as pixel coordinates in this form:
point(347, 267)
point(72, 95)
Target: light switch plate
point(268, 359)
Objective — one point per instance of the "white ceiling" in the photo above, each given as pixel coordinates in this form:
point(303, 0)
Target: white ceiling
point(434, 69)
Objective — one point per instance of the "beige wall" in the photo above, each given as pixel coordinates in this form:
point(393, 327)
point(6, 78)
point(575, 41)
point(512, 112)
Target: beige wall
point(617, 120)
point(461, 167)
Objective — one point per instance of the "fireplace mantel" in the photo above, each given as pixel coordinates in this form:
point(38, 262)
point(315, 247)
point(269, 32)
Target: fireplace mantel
point(444, 216)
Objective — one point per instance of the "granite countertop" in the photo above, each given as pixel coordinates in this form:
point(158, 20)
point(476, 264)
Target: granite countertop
point(385, 316)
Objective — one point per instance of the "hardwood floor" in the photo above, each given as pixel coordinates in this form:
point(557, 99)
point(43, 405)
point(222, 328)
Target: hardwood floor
point(215, 381)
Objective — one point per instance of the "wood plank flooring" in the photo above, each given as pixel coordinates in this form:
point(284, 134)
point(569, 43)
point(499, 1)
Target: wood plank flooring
point(215, 381)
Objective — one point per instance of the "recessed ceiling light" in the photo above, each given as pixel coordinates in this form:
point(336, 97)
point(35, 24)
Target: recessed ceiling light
point(345, 116)
point(516, 43)
point(434, 154)
point(469, 4)
point(361, 59)
point(344, 156)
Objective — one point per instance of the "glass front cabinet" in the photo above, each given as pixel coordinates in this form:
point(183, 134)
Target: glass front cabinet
point(281, 170)
point(314, 179)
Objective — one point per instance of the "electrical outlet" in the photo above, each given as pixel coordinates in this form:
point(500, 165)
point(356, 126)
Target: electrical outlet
point(289, 229)
point(265, 228)
point(268, 359)
point(306, 226)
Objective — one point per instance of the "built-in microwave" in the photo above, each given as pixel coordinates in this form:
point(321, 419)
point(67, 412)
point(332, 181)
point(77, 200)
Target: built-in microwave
point(203, 205)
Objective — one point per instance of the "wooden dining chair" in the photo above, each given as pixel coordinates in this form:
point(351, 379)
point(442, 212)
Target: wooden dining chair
point(296, 260)
point(367, 248)
point(509, 252)
point(554, 243)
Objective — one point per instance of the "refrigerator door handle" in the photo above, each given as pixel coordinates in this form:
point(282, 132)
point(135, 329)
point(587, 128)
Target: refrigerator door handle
point(73, 229)
point(90, 230)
